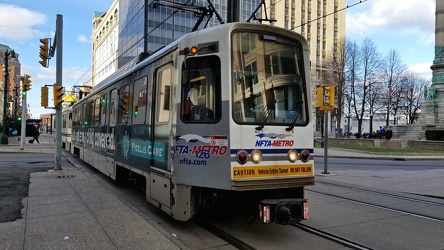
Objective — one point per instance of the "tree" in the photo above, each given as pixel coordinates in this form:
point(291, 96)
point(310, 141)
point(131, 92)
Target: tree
point(393, 75)
point(352, 67)
point(336, 65)
point(370, 68)
point(413, 96)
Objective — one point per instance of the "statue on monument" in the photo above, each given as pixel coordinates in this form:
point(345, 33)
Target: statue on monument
point(432, 92)
point(425, 92)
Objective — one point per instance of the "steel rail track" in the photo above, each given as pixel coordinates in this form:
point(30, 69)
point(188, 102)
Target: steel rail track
point(381, 206)
point(332, 237)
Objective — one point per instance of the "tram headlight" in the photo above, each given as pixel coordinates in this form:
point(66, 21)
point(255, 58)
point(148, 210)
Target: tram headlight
point(256, 156)
point(242, 156)
point(187, 51)
point(305, 155)
point(292, 155)
point(193, 50)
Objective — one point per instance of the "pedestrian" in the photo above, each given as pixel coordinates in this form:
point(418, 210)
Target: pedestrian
point(382, 132)
point(36, 135)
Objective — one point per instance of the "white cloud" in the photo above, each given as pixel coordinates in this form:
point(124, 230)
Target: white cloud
point(71, 75)
point(13, 29)
point(409, 16)
point(423, 69)
point(82, 39)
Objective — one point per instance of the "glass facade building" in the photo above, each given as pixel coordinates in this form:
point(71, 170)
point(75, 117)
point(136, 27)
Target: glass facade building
point(145, 27)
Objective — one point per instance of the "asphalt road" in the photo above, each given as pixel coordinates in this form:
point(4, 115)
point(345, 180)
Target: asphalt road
point(15, 170)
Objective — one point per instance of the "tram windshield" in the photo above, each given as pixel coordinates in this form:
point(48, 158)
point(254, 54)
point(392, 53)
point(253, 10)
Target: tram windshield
point(268, 81)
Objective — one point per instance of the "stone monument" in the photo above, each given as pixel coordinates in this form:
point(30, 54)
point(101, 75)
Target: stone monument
point(434, 101)
point(432, 115)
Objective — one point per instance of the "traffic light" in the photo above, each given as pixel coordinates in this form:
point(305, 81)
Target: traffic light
point(136, 110)
point(44, 97)
point(319, 97)
point(44, 52)
point(124, 102)
point(329, 92)
point(58, 94)
point(26, 85)
point(19, 115)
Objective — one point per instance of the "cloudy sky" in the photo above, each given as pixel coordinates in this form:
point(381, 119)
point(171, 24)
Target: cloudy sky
point(407, 26)
point(404, 25)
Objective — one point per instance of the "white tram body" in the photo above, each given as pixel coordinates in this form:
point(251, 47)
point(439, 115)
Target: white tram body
point(67, 128)
point(221, 114)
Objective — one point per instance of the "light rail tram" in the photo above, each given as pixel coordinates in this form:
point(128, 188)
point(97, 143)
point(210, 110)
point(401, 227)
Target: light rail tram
point(218, 120)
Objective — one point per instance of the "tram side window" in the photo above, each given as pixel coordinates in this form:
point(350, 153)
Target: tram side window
point(83, 116)
point(124, 104)
point(96, 112)
point(70, 114)
point(64, 117)
point(201, 94)
point(76, 118)
point(113, 108)
point(164, 79)
point(89, 113)
point(140, 100)
point(103, 102)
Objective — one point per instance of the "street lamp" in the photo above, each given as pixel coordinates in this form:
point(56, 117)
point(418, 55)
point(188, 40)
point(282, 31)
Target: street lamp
point(4, 139)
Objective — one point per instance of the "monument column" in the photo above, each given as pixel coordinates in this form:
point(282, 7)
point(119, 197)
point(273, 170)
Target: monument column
point(435, 95)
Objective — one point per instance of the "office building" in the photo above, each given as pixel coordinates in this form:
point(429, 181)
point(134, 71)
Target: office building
point(105, 38)
point(13, 87)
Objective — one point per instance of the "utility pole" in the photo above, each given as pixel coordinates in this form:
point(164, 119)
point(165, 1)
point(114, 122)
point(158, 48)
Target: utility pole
point(59, 48)
point(46, 52)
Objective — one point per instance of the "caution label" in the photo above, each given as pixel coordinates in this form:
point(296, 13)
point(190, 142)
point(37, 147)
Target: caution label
point(272, 171)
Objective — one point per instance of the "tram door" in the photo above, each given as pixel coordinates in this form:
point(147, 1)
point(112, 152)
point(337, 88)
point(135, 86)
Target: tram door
point(160, 184)
point(162, 122)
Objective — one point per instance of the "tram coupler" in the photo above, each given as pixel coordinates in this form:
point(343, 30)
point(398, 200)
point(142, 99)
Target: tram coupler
point(283, 211)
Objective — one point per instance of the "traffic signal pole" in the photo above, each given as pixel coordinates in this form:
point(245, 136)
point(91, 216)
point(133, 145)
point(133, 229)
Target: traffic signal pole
point(58, 41)
point(23, 127)
point(325, 142)
point(325, 101)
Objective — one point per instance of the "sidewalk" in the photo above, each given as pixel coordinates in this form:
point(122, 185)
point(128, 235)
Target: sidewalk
point(67, 209)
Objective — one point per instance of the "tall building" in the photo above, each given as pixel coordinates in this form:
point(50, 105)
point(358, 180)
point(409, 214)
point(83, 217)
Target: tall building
point(319, 21)
point(105, 38)
point(13, 86)
point(323, 25)
point(147, 28)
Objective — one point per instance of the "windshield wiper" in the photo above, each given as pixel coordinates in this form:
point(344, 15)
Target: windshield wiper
point(266, 114)
point(290, 128)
